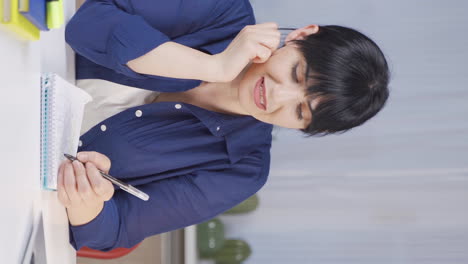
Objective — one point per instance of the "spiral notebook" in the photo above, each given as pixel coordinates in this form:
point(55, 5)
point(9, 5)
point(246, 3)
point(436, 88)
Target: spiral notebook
point(62, 106)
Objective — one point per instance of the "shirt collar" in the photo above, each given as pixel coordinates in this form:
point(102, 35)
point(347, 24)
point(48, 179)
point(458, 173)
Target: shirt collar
point(243, 134)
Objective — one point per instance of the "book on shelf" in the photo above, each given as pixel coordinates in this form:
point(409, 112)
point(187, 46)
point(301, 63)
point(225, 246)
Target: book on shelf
point(55, 17)
point(12, 20)
point(35, 12)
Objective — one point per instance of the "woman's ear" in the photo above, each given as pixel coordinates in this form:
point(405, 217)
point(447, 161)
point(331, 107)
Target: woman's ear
point(301, 33)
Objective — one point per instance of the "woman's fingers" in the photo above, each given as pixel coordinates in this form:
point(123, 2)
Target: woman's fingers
point(262, 37)
point(70, 184)
point(85, 190)
point(270, 39)
point(61, 193)
point(81, 185)
point(102, 187)
point(263, 54)
point(268, 36)
point(101, 161)
point(254, 43)
point(267, 25)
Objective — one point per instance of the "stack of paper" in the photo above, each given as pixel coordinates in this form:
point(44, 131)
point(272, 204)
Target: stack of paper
point(62, 107)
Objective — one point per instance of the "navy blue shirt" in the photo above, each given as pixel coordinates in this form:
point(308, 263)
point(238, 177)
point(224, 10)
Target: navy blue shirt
point(106, 34)
point(193, 163)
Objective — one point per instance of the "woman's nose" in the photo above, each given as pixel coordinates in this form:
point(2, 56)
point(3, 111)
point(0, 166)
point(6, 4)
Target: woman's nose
point(285, 95)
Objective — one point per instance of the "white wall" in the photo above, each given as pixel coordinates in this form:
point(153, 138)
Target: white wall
point(395, 189)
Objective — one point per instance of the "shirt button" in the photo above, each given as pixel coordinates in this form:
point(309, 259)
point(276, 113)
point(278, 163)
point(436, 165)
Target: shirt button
point(218, 128)
point(103, 127)
point(178, 106)
point(80, 143)
point(138, 113)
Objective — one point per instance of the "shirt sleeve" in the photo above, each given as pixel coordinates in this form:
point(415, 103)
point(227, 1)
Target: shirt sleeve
point(174, 203)
point(109, 35)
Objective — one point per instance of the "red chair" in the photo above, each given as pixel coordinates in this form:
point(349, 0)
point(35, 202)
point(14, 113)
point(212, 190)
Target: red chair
point(86, 252)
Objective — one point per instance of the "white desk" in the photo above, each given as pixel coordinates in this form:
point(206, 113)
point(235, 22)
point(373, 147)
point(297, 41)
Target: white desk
point(21, 64)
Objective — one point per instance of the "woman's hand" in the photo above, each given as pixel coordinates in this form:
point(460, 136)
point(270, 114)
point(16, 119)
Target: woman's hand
point(82, 189)
point(255, 43)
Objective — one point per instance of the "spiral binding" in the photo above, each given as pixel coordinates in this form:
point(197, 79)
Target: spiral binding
point(48, 128)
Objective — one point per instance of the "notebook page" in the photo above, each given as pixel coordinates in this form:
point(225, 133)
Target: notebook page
point(66, 115)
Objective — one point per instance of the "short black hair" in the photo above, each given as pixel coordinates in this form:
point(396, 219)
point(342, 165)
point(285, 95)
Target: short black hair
point(348, 74)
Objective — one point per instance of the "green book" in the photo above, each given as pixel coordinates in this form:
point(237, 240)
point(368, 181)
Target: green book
point(54, 13)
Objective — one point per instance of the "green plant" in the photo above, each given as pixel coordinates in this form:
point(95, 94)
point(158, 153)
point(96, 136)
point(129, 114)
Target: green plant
point(246, 206)
point(210, 237)
point(233, 251)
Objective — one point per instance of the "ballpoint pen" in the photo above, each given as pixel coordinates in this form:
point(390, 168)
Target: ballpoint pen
point(124, 186)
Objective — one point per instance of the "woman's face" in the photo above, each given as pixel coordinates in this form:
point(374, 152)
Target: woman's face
point(275, 91)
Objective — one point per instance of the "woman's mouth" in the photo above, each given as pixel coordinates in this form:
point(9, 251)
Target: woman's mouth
point(260, 94)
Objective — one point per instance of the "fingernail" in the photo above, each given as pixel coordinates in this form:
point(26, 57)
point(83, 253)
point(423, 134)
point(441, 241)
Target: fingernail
point(82, 156)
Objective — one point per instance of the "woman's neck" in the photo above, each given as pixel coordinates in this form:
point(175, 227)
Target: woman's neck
point(216, 97)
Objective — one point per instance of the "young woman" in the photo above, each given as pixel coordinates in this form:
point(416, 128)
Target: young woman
point(185, 96)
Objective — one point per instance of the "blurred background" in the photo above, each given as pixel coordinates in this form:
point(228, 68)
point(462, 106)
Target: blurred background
point(394, 190)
